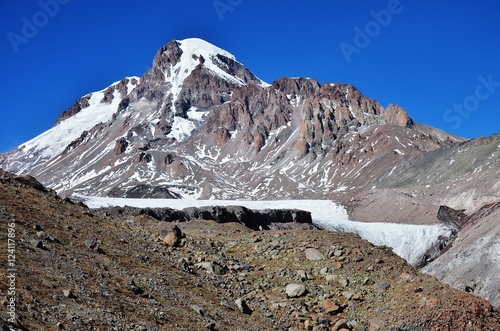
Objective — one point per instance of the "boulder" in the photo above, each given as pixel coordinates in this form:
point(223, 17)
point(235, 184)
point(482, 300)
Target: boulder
point(295, 290)
point(172, 235)
point(313, 254)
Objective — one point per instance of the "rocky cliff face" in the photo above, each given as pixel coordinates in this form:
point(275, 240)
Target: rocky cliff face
point(473, 262)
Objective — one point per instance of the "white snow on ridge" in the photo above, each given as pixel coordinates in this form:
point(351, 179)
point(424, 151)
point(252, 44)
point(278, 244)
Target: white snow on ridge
point(409, 241)
point(53, 141)
point(192, 49)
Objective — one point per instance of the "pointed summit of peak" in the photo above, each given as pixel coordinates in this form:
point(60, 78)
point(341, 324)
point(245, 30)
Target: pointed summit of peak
point(177, 60)
point(199, 46)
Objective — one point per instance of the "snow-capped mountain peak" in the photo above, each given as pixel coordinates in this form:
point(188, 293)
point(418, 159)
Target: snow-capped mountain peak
point(179, 58)
point(200, 124)
point(197, 52)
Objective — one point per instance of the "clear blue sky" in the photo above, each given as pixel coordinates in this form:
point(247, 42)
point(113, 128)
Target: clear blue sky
point(437, 59)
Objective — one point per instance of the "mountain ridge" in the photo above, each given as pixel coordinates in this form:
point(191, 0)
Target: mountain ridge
point(197, 92)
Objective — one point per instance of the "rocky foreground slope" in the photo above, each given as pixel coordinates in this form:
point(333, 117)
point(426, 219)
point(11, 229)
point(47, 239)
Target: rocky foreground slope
point(78, 269)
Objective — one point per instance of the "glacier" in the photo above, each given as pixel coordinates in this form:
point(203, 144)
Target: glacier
point(409, 241)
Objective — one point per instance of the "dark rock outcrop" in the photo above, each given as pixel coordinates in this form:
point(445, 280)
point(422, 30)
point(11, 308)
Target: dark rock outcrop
point(121, 146)
point(254, 219)
point(79, 104)
point(21, 181)
point(452, 216)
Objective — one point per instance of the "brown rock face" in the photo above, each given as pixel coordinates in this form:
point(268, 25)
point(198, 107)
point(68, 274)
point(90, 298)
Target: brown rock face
point(396, 115)
point(165, 58)
point(330, 114)
point(108, 95)
point(295, 87)
point(222, 136)
point(79, 104)
point(452, 216)
point(120, 146)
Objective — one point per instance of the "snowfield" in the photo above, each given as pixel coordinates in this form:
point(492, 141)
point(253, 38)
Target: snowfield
point(409, 241)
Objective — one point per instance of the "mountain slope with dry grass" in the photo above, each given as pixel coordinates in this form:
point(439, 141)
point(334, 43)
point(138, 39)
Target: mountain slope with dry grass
point(82, 270)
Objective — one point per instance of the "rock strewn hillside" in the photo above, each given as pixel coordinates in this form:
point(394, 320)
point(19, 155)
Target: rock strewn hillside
point(82, 270)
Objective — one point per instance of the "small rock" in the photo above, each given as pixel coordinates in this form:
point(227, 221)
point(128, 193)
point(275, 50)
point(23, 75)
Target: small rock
point(211, 267)
point(313, 254)
point(241, 266)
point(210, 326)
point(432, 303)
point(171, 240)
point(46, 236)
point(37, 243)
point(331, 278)
point(92, 244)
point(340, 324)
point(382, 286)
point(338, 253)
point(344, 282)
point(295, 290)
point(182, 264)
point(406, 277)
point(302, 275)
point(226, 305)
point(208, 266)
point(198, 310)
point(330, 307)
point(242, 306)
point(136, 289)
point(358, 297)
point(368, 281)
point(68, 294)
